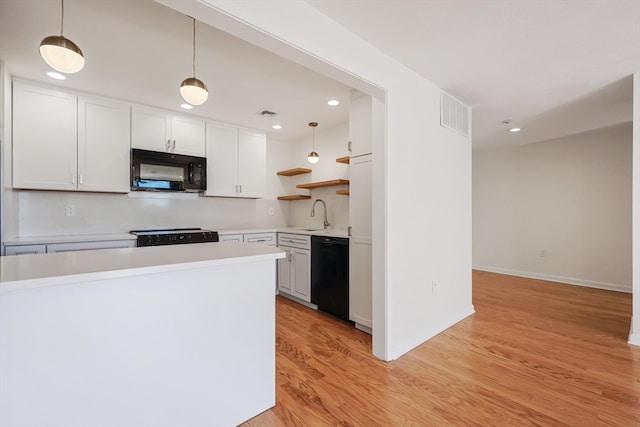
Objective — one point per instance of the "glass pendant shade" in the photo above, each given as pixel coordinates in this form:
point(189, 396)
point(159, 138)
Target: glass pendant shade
point(194, 91)
point(62, 54)
point(313, 157)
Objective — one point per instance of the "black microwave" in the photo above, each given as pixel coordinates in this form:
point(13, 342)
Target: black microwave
point(158, 171)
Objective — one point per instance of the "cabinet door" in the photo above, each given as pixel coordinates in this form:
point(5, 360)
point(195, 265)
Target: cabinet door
point(360, 124)
point(301, 281)
point(251, 163)
point(360, 292)
point(188, 136)
point(285, 271)
point(103, 145)
point(222, 160)
point(150, 129)
point(45, 128)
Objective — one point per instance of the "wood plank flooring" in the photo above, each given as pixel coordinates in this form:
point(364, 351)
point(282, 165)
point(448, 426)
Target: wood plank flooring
point(535, 353)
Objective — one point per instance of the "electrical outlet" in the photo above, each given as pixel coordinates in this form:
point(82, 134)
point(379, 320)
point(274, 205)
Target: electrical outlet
point(270, 211)
point(543, 253)
point(434, 287)
point(71, 210)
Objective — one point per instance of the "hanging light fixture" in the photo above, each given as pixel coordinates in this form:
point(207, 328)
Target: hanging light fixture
point(61, 53)
point(193, 90)
point(313, 157)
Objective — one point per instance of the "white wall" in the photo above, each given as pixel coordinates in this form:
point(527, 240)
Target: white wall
point(330, 144)
point(39, 213)
point(422, 172)
point(634, 336)
point(557, 210)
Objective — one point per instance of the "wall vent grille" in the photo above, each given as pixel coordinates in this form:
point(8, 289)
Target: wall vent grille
point(454, 114)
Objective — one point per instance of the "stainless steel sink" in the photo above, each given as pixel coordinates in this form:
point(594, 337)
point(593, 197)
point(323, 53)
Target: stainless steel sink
point(311, 229)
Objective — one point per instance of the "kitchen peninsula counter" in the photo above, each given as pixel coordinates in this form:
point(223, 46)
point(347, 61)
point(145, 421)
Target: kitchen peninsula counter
point(163, 336)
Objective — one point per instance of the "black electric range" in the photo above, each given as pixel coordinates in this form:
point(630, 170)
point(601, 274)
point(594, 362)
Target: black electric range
point(174, 236)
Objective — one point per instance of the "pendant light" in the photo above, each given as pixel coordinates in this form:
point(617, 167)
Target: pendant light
point(61, 53)
point(313, 157)
point(193, 90)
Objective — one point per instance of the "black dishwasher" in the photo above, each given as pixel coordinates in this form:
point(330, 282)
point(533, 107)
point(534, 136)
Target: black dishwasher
point(330, 275)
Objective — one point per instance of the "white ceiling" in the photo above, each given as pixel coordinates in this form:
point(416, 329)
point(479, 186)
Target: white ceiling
point(140, 51)
point(553, 67)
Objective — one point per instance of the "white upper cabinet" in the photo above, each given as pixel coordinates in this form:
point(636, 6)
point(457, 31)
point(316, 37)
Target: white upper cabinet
point(236, 160)
point(103, 145)
point(252, 159)
point(44, 138)
point(65, 142)
point(366, 122)
point(188, 136)
point(159, 130)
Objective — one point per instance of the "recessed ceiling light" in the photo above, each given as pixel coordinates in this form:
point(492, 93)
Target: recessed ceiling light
point(55, 75)
point(276, 126)
point(187, 106)
point(515, 130)
point(333, 102)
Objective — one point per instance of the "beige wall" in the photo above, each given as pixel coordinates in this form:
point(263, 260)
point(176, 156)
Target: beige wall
point(557, 210)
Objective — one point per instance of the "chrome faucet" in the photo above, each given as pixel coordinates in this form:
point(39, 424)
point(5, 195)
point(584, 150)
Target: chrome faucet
point(313, 212)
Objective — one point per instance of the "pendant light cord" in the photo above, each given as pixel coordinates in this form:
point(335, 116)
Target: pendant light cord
point(194, 47)
point(62, 20)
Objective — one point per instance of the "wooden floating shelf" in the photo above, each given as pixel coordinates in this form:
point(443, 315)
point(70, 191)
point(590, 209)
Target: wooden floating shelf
point(294, 197)
point(324, 183)
point(344, 160)
point(294, 171)
point(343, 192)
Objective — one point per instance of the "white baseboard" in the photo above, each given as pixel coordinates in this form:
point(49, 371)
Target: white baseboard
point(634, 339)
point(560, 279)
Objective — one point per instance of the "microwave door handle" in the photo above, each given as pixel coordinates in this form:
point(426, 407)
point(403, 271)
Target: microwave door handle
point(190, 173)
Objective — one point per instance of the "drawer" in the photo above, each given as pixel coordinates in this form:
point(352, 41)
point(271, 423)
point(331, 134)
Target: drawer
point(263, 238)
point(301, 241)
point(230, 238)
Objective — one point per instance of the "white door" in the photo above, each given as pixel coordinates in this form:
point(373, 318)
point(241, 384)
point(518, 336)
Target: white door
point(360, 266)
point(103, 145)
point(45, 127)
point(222, 160)
point(188, 136)
point(302, 274)
point(360, 124)
point(251, 163)
point(150, 129)
point(285, 272)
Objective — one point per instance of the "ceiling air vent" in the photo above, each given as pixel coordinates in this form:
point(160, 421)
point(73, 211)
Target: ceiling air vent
point(454, 114)
point(267, 113)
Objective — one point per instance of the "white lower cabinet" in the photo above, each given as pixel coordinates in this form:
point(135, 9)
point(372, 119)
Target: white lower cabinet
point(41, 248)
point(25, 249)
point(294, 271)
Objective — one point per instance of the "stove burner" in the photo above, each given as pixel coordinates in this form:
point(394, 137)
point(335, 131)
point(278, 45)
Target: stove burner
point(176, 236)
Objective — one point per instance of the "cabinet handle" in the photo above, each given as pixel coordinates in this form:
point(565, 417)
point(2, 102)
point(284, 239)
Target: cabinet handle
point(240, 188)
point(80, 179)
point(349, 231)
point(350, 150)
point(174, 146)
point(73, 178)
point(168, 144)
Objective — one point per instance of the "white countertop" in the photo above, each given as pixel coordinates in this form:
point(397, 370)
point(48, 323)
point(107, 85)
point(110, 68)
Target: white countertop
point(32, 271)
point(315, 232)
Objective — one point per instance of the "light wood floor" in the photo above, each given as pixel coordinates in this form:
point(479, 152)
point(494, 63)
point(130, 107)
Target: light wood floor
point(535, 353)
